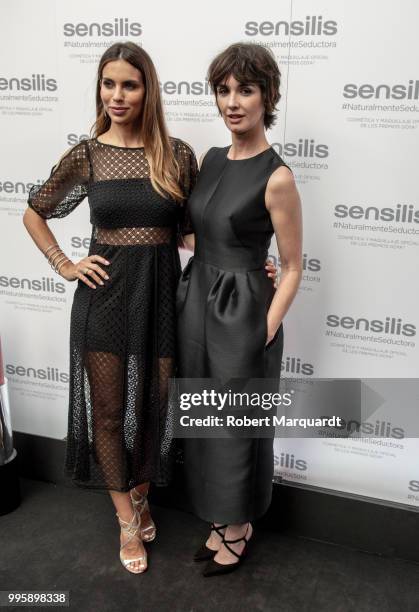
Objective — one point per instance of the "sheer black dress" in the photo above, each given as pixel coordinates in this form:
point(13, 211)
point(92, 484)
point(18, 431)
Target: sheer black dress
point(122, 337)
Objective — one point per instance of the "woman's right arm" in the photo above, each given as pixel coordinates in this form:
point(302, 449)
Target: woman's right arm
point(44, 239)
point(57, 197)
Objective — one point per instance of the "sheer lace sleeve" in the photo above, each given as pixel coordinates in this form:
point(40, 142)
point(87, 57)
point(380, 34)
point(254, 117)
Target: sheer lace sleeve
point(188, 175)
point(66, 186)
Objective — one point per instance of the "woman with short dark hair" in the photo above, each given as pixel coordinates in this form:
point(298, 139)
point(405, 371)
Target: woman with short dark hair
point(229, 315)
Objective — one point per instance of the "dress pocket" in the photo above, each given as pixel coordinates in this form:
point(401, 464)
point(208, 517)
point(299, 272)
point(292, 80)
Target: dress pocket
point(274, 339)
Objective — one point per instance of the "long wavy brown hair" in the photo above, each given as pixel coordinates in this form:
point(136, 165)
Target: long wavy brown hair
point(164, 170)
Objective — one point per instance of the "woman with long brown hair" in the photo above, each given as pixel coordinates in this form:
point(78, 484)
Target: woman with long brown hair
point(122, 336)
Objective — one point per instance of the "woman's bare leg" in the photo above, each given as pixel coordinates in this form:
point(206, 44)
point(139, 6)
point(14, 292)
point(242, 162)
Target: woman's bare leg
point(105, 373)
point(125, 511)
point(142, 489)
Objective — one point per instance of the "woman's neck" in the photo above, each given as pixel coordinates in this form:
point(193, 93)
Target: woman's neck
point(123, 136)
point(247, 145)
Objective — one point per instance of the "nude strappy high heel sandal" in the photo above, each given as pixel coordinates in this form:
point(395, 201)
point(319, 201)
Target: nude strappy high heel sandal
point(141, 504)
point(132, 528)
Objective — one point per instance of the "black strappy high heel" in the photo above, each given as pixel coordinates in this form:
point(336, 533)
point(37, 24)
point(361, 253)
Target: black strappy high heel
point(204, 553)
point(213, 568)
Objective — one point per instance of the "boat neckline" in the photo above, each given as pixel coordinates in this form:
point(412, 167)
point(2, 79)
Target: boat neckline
point(105, 144)
point(247, 158)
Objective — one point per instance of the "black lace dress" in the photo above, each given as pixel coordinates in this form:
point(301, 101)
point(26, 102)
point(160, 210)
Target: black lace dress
point(122, 338)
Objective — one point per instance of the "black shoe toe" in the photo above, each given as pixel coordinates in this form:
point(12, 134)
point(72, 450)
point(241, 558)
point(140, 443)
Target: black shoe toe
point(213, 568)
point(204, 553)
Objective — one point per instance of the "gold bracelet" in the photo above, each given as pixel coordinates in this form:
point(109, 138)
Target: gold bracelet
point(53, 253)
point(51, 246)
point(56, 255)
point(59, 266)
point(59, 260)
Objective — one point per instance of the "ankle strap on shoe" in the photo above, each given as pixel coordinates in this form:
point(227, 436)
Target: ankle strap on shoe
point(141, 502)
point(131, 527)
point(242, 539)
point(218, 529)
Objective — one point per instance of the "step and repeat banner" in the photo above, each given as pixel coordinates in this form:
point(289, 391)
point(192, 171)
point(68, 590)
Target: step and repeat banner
point(348, 126)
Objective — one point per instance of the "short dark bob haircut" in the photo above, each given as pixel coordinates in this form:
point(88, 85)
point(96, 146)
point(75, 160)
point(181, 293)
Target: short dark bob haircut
point(249, 63)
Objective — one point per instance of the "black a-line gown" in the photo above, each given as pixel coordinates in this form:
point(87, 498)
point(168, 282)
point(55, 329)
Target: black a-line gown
point(222, 301)
point(122, 336)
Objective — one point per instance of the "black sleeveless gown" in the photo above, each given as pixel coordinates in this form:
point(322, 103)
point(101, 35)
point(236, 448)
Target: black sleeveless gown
point(222, 302)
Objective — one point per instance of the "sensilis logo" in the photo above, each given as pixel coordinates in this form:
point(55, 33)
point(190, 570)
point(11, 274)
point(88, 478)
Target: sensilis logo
point(309, 263)
point(73, 139)
point(17, 187)
point(402, 213)
point(49, 373)
point(34, 82)
point(303, 147)
point(120, 26)
point(399, 91)
point(312, 264)
point(389, 325)
point(383, 429)
point(45, 284)
point(288, 461)
point(78, 242)
point(194, 88)
point(312, 25)
point(294, 365)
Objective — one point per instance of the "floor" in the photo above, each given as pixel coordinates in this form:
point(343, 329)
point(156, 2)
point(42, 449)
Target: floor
point(63, 538)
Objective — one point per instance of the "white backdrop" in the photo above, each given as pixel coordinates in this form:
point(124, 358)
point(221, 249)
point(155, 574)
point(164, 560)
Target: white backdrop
point(348, 126)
